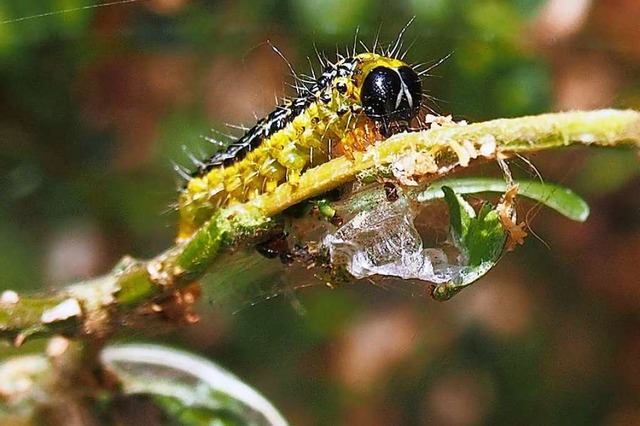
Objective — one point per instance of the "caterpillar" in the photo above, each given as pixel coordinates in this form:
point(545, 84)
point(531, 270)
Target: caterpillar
point(355, 102)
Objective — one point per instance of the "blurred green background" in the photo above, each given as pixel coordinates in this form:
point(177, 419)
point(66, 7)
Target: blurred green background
point(95, 104)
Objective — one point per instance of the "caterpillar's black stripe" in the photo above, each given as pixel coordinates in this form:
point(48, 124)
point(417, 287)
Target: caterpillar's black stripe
point(276, 120)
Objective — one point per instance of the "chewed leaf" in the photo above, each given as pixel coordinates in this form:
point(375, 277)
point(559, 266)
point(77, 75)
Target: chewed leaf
point(460, 213)
point(559, 198)
point(480, 239)
point(486, 237)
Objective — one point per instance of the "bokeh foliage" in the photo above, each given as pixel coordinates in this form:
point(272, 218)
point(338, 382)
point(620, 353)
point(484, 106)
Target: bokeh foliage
point(96, 103)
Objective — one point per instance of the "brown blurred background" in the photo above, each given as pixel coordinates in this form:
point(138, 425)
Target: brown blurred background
point(97, 103)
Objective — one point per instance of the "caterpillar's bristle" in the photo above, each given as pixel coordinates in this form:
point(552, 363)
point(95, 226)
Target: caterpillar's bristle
point(195, 160)
point(182, 171)
point(213, 141)
point(236, 127)
point(319, 56)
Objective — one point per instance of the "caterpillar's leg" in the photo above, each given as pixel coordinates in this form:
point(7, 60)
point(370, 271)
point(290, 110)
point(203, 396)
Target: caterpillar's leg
point(276, 247)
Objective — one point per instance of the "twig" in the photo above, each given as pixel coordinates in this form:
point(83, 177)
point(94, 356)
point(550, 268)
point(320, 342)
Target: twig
point(136, 290)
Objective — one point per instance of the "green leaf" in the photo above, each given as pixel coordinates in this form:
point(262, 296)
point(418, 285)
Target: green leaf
point(557, 197)
point(460, 213)
point(195, 415)
point(486, 237)
point(479, 237)
point(191, 390)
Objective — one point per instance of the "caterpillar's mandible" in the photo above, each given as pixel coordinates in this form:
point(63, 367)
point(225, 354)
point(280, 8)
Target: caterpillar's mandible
point(355, 102)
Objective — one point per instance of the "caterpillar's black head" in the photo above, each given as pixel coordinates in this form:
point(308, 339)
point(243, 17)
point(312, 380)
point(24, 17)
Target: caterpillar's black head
point(391, 96)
